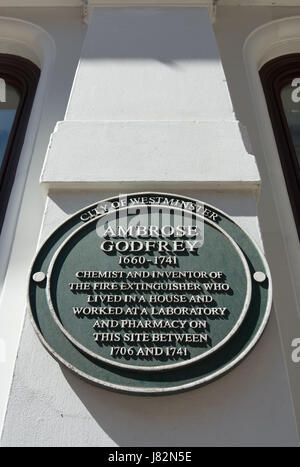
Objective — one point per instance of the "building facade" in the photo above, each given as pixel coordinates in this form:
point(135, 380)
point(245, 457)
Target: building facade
point(151, 96)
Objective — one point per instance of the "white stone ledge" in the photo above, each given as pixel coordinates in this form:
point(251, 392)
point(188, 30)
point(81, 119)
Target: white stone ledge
point(205, 154)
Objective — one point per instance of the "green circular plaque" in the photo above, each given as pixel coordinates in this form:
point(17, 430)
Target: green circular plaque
point(149, 293)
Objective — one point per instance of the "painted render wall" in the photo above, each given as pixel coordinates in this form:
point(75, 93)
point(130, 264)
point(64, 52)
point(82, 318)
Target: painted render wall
point(251, 405)
point(18, 240)
point(279, 233)
point(248, 406)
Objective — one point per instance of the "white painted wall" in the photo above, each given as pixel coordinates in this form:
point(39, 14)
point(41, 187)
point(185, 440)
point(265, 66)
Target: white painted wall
point(136, 78)
point(149, 82)
point(158, 151)
point(273, 38)
point(250, 406)
point(149, 64)
point(30, 34)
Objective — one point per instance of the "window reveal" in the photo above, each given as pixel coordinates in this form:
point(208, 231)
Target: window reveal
point(18, 82)
point(280, 79)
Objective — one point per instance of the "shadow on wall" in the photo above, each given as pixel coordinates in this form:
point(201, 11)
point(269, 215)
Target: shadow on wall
point(176, 420)
point(149, 34)
point(234, 410)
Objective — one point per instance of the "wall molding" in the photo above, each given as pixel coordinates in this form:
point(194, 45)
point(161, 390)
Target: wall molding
point(146, 3)
point(88, 5)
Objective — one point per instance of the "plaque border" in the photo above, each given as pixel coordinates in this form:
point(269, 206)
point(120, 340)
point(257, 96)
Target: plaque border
point(141, 390)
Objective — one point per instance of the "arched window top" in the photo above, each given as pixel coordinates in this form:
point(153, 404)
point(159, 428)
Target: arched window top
point(18, 82)
point(280, 79)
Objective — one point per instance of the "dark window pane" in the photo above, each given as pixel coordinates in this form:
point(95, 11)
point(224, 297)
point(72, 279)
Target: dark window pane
point(8, 111)
point(18, 81)
point(291, 108)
